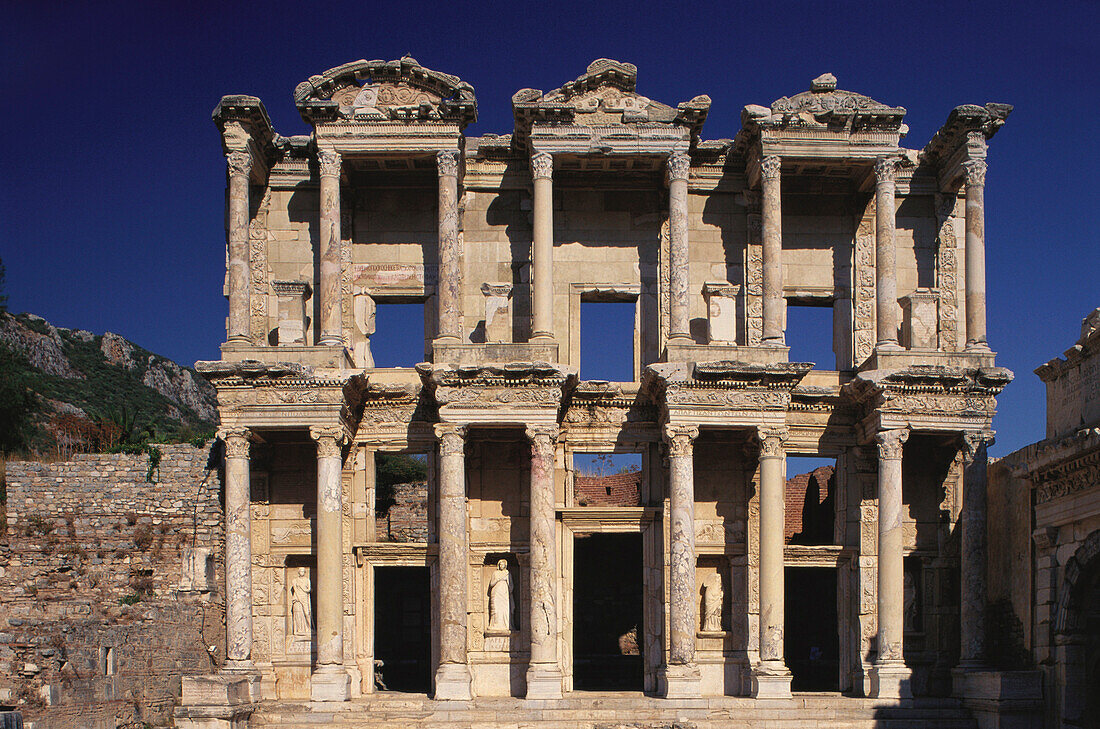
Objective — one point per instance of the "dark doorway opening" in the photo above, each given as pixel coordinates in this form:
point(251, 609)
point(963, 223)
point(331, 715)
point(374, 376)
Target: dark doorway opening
point(607, 613)
point(402, 627)
point(811, 634)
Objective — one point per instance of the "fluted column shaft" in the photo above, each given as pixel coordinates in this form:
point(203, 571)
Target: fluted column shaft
point(452, 680)
point(772, 678)
point(238, 549)
point(975, 255)
point(240, 170)
point(678, 165)
point(542, 253)
point(972, 550)
point(889, 675)
point(772, 250)
point(450, 268)
point(886, 278)
point(329, 293)
point(544, 673)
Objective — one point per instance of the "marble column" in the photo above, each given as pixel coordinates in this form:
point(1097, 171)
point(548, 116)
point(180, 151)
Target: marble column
point(772, 251)
point(542, 253)
point(972, 550)
point(544, 673)
point(330, 682)
point(975, 256)
point(889, 675)
point(678, 255)
point(771, 678)
point(450, 268)
point(682, 678)
point(886, 276)
point(452, 678)
point(329, 291)
point(240, 171)
point(238, 551)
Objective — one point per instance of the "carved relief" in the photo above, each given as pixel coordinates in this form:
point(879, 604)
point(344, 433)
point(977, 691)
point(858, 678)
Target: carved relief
point(947, 272)
point(754, 270)
point(864, 294)
point(488, 397)
point(258, 272)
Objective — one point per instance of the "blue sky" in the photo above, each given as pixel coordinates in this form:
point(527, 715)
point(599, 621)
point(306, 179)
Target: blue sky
point(111, 205)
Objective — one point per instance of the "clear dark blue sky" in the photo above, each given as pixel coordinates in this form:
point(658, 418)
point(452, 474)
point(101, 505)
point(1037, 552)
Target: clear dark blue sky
point(112, 196)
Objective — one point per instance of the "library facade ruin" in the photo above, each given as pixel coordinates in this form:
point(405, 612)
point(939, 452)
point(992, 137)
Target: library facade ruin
point(521, 573)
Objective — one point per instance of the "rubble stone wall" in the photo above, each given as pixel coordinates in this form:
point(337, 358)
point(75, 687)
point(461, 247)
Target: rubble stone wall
point(94, 628)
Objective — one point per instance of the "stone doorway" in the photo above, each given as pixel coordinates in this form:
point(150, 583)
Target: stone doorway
point(402, 628)
point(607, 613)
point(811, 634)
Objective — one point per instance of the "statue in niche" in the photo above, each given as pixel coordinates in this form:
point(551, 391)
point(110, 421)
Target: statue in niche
point(301, 611)
point(909, 593)
point(712, 603)
point(500, 598)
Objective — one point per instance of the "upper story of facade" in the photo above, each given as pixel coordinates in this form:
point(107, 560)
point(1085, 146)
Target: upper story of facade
point(600, 194)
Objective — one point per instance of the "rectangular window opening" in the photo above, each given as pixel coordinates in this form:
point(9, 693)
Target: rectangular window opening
point(607, 479)
point(608, 340)
point(399, 336)
point(810, 333)
point(401, 497)
point(810, 517)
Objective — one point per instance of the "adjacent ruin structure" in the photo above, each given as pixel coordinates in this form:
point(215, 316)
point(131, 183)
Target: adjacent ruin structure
point(600, 194)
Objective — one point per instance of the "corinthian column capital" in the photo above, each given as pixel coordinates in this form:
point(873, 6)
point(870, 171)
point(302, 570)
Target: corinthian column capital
point(973, 443)
point(447, 163)
point(239, 162)
point(330, 440)
point(678, 165)
point(772, 438)
point(236, 441)
point(770, 166)
point(328, 162)
point(890, 443)
point(680, 438)
point(975, 172)
point(452, 438)
point(886, 169)
point(542, 165)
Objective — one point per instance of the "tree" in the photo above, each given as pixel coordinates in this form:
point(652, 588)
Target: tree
point(17, 403)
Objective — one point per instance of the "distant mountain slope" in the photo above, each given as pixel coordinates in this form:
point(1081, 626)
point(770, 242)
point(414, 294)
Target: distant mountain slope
point(85, 382)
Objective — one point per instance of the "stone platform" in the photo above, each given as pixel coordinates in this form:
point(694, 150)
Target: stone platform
point(618, 711)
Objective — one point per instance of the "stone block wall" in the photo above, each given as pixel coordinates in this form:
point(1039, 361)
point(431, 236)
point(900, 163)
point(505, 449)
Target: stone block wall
point(407, 518)
point(94, 628)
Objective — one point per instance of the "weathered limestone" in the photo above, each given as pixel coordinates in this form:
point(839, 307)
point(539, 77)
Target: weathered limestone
point(544, 673)
point(329, 290)
point(919, 319)
point(330, 682)
point(771, 679)
point(889, 675)
point(772, 251)
point(721, 298)
point(452, 678)
point(498, 311)
point(292, 311)
point(679, 164)
point(682, 676)
point(240, 170)
point(886, 276)
point(542, 250)
point(975, 255)
point(450, 265)
point(238, 551)
point(972, 551)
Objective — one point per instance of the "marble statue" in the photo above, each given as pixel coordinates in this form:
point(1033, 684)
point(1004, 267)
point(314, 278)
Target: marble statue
point(712, 603)
point(500, 598)
point(301, 611)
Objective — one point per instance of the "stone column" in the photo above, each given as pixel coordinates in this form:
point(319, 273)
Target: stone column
point(544, 672)
point(889, 675)
point(542, 254)
point(682, 678)
point(772, 252)
point(330, 682)
point(329, 290)
point(450, 268)
point(678, 255)
point(972, 551)
point(771, 679)
point(238, 551)
point(975, 255)
point(886, 277)
point(240, 170)
point(452, 678)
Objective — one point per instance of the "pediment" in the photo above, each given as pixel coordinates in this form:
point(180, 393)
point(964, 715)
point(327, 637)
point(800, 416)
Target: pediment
point(825, 106)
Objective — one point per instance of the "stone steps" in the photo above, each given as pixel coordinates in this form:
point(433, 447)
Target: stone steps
point(617, 711)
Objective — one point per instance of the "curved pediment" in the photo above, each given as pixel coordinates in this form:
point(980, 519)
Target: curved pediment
point(400, 90)
point(826, 106)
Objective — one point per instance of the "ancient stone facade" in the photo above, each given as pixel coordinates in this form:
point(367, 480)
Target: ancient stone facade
point(600, 194)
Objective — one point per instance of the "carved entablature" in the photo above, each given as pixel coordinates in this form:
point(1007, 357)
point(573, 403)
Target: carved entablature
point(395, 410)
point(928, 397)
point(595, 405)
point(512, 393)
point(606, 97)
point(381, 91)
point(1062, 466)
point(963, 137)
point(246, 128)
point(723, 393)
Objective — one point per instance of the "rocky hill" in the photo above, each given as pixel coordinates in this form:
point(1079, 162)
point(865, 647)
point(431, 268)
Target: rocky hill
point(97, 391)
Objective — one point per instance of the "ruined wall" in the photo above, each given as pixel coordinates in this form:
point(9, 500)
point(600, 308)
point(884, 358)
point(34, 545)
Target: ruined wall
point(96, 629)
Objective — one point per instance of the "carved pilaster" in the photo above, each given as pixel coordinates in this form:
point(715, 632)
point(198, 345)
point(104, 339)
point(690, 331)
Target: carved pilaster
point(772, 251)
point(754, 269)
point(947, 272)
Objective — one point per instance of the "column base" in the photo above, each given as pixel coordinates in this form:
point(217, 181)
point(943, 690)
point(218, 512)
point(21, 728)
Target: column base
point(771, 680)
point(888, 346)
point(452, 682)
point(544, 681)
point(683, 681)
point(330, 683)
point(978, 347)
point(891, 681)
